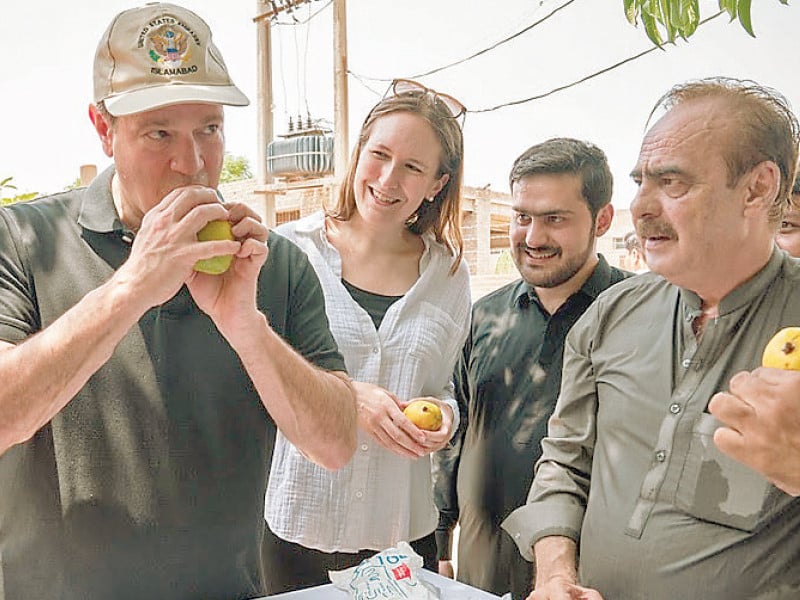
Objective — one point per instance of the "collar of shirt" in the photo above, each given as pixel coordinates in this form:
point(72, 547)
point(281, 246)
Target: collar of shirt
point(97, 207)
point(691, 303)
point(315, 224)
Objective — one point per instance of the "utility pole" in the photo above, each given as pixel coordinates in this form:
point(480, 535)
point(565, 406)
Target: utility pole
point(340, 100)
point(264, 124)
point(266, 10)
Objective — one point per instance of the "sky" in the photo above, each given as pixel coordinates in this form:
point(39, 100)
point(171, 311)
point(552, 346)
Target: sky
point(48, 48)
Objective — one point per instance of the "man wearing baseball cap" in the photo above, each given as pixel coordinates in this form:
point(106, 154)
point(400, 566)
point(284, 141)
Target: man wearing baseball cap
point(140, 397)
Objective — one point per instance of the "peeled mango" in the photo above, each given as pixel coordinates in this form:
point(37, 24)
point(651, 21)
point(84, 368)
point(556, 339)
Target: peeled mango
point(213, 231)
point(783, 350)
point(425, 415)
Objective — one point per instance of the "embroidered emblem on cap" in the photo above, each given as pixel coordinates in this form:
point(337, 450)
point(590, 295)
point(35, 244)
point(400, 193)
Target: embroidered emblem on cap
point(168, 45)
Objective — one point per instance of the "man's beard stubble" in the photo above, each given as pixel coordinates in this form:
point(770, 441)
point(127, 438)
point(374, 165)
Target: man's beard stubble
point(553, 278)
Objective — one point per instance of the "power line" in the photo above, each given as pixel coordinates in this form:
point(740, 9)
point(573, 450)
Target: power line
point(566, 86)
point(554, 90)
point(362, 81)
point(583, 79)
point(283, 78)
point(298, 68)
point(276, 7)
point(485, 50)
point(296, 21)
point(292, 7)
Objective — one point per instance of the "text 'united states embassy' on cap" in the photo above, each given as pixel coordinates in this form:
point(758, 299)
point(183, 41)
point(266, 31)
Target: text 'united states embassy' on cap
point(160, 54)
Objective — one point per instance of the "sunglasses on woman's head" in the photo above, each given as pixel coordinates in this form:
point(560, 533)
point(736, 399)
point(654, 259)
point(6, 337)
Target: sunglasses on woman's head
point(402, 87)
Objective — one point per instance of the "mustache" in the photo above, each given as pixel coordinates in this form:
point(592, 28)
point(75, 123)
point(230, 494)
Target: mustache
point(646, 229)
point(201, 178)
point(539, 248)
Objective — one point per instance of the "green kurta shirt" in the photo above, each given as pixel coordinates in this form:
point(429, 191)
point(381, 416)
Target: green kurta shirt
point(629, 466)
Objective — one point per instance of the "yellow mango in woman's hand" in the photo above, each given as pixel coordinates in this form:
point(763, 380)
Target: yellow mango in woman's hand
point(424, 414)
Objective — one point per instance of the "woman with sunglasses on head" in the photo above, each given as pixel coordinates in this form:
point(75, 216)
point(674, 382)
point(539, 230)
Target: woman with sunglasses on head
point(389, 257)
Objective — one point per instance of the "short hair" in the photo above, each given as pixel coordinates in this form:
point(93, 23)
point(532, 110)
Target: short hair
point(558, 156)
point(767, 129)
point(443, 215)
point(101, 108)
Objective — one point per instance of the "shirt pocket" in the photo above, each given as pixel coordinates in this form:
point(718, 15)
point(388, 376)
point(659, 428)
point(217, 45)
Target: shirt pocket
point(420, 353)
point(431, 337)
point(717, 488)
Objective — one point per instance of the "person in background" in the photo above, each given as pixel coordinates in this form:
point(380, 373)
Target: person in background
point(788, 236)
point(140, 397)
point(508, 377)
point(634, 260)
point(629, 478)
point(389, 256)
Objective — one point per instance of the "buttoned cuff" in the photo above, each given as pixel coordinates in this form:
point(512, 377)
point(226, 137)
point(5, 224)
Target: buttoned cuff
point(536, 520)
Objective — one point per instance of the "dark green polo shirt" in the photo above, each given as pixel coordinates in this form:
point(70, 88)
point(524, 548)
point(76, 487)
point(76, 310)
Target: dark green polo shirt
point(150, 483)
point(507, 382)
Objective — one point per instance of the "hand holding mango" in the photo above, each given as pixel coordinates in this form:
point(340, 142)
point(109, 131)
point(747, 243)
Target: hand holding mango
point(783, 350)
point(425, 415)
point(215, 230)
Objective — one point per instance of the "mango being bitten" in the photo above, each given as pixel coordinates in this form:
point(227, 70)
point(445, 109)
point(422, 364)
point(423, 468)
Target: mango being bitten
point(425, 415)
point(215, 230)
point(783, 350)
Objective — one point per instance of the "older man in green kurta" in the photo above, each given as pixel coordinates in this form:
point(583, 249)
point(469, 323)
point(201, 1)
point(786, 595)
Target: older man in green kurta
point(630, 479)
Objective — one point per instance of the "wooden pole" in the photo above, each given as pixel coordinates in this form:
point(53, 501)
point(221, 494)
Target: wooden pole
point(264, 121)
point(341, 146)
point(88, 173)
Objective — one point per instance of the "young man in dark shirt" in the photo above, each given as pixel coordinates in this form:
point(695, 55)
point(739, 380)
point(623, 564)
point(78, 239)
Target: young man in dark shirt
point(509, 375)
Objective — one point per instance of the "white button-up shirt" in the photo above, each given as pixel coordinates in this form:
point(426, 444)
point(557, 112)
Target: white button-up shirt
point(379, 498)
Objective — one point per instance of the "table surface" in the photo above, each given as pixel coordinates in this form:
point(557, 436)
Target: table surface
point(451, 590)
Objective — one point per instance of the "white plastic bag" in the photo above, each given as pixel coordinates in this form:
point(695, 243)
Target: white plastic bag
point(388, 575)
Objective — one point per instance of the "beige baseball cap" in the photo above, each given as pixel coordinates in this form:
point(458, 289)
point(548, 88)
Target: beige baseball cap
point(160, 54)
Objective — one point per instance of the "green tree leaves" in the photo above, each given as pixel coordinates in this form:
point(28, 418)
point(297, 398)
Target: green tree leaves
point(666, 20)
point(234, 168)
point(5, 184)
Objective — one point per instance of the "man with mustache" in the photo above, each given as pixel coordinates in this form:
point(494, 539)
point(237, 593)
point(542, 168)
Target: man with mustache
point(508, 377)
point(631, 498)
point(140, 398)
